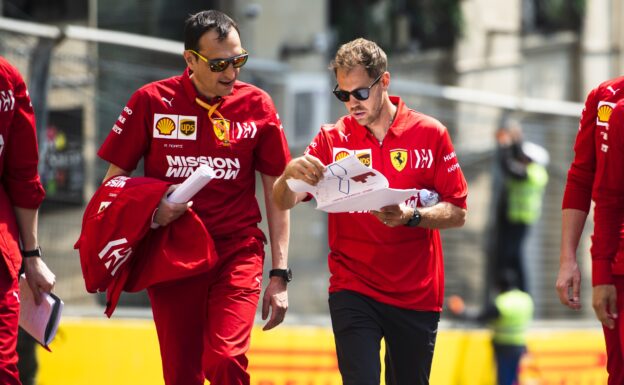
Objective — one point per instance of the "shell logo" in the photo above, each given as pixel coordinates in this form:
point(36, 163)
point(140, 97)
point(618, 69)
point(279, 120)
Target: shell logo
point(165, 126)
point(604, 112)
point(341, 155)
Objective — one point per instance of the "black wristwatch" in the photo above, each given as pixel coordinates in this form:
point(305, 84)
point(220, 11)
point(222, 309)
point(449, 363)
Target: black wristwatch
point(286, 274)
point(32, 253)
point(415, 219)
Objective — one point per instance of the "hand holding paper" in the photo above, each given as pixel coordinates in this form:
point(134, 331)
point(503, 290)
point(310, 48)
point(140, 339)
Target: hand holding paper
point(40, 321)
point(191, 186)
point(348, 185)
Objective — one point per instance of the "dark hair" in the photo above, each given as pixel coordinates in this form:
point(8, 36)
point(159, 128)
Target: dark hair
point(360, 52)
point(198, 24)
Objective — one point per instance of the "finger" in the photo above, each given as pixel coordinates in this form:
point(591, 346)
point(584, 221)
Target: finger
point(562, 293)
point(612, 307)
point(37, 295)
point(576, 293)
point(277, 316)
point(265, 308)
point(601, 313)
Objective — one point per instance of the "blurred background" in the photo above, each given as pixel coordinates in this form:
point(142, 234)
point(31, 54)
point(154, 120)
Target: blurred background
point(472, 64)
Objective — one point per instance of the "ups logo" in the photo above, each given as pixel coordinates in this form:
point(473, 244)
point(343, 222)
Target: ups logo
point(187, 127)
point(365, 159)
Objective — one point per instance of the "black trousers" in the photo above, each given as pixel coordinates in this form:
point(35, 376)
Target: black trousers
point(359, 323)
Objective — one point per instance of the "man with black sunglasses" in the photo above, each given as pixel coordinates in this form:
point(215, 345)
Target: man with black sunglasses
point(207, 116)
point(386, 266)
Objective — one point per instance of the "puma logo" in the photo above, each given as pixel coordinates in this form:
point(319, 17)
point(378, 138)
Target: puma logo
point(167, 101)
point(612, 90)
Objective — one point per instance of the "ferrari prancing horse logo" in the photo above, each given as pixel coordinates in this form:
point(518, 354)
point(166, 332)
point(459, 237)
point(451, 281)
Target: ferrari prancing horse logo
point(398, 158)
point(221, 129)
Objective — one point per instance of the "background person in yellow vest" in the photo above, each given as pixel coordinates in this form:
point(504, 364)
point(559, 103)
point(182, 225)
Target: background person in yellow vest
point(523, 166)
point(509, 317)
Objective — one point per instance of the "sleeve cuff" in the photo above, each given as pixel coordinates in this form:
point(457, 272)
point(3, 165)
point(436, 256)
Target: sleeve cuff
point(601, 272)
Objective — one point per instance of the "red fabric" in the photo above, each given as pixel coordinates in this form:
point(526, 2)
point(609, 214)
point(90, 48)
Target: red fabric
point(119, 251)
point(19, 181)
point(607, 246)
point(399, 266)
point(589, 147)
point(614, 340)
point(9, 319)
point(229, 206)
point(217, 308)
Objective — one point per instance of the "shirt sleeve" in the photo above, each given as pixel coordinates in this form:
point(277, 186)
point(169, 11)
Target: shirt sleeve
point(272, 153)
point(449, 179)
point(129, 138)
point(578, 189)
point(320, 147)
point(609, 198)
point(20, 175)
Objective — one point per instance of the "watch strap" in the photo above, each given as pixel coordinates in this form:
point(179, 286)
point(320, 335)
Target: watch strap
point(32, 253)
point(285, 274)
point(415, 219)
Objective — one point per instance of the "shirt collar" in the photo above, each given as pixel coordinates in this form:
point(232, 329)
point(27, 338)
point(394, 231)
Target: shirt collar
point(191, 91)
point(398, 124)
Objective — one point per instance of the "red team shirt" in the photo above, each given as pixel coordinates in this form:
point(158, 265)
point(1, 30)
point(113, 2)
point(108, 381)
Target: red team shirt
point(607, 248)
point(589, 162)
point(163, 123)
point(20, 184)
point(399, 266)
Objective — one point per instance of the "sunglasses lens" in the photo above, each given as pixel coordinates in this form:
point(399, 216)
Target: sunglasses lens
point(218, 65)
point(360, 93)
point(343, 96)
point(239, 61)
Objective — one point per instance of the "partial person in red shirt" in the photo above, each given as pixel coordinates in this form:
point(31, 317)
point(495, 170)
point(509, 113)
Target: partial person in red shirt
point(607, 248)
point(21, 194)
point(387, 273)
point(207, 116)
point(589, 161)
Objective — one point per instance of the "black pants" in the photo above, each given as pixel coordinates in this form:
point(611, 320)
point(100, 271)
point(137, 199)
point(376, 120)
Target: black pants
point(511, 251)
point(359, 323)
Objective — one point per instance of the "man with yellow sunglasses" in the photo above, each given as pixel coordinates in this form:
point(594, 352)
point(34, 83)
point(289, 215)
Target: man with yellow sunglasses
point(207, 116)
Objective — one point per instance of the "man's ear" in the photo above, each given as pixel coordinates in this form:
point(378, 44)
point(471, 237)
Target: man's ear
point(188, 58)
point(385, 80)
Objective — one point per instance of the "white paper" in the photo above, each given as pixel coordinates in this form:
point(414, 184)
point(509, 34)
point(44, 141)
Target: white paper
point(42, 321)
point(198, 179)
point(191, 186)
point(348, 185)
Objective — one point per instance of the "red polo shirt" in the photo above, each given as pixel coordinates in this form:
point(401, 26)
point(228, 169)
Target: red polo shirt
point(607, 246)
point(398, 266)
point(19, 181)
point(163, 124)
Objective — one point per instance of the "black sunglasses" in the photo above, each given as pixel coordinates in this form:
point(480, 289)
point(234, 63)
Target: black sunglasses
point(359, 94)
point(219, 65)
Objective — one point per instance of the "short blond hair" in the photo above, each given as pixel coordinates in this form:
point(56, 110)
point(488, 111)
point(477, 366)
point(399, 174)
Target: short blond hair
point(360, 52)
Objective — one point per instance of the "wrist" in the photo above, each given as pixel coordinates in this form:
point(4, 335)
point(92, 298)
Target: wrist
point(29, 253)
point(414, 219)
point(284, 274)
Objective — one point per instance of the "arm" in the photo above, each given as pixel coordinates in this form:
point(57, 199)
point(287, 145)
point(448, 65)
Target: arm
point(443, 215)
point(608, 222)
point(166, 212)
point(306, 168)
point(275, 299)
point(576, 204)
point(569, 278)
point(38, 275)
